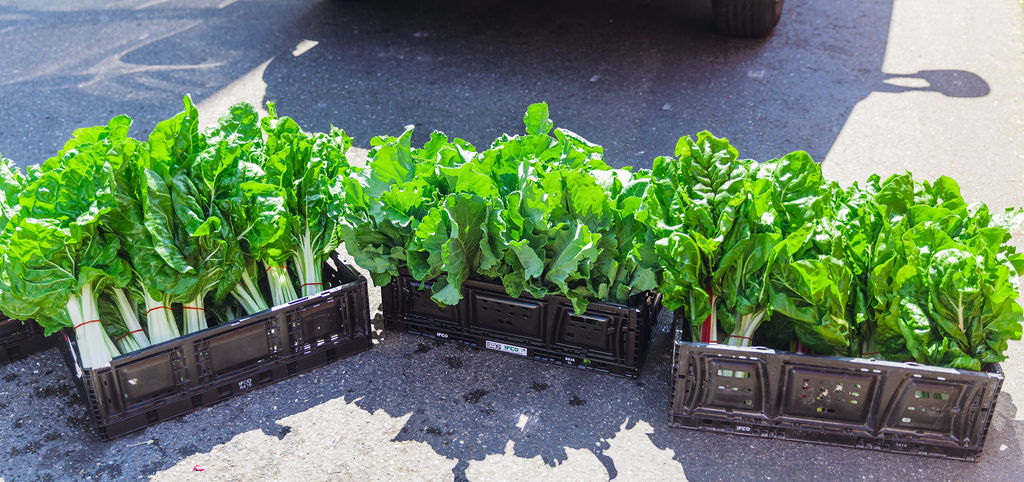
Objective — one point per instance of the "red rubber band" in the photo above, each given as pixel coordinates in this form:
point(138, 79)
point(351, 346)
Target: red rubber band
point(193, 308)
point(743, 337)
point(85, 323)
point(310, 284)
point(872, 353)
point(272, 267)
point(130, 333)
point(156, 308)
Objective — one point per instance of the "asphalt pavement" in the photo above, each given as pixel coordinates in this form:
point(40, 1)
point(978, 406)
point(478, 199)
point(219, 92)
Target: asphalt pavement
point(869, 86)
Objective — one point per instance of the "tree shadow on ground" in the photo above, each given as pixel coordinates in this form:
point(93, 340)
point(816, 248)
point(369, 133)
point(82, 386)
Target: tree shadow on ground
point(80, 64)
point(631, 76)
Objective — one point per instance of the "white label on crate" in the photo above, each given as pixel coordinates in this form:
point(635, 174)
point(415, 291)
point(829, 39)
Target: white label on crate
point(245, 384)
point(742, 428)
point(515, 350)
point(442, 335)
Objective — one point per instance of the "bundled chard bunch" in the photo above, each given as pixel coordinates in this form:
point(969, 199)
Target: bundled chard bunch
point(128, 242)
point(940, 281)
point(541, 213)
point(722, 221)
point(773, 254)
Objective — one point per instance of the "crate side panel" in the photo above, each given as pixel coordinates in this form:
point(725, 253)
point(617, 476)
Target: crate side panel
point(828, 395)
point(19, 339)
point(417, 302)
point(598, 333)
point(238, 348)
point(733, 385)
point(144, 379)
point(316, 324)
point(928, 407)
point(503, 314)
point(900, 407)
point(10, 329)
point(197, 370)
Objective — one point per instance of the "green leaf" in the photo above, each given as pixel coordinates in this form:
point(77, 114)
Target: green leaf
point(537, 120)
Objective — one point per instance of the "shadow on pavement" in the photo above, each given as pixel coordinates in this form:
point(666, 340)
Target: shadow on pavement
point(76, 64)
point(464, 403)
point(631, 76)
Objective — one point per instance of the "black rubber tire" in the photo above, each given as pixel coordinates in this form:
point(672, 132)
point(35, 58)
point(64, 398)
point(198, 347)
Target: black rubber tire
point(746, 18)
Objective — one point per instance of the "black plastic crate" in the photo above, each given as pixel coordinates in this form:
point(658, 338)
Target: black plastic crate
point(20, 339)
point(176, 377)
point(608, 337)
point(849, 402)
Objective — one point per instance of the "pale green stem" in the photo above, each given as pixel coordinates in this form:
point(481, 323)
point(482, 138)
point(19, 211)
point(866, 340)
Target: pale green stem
point(309, 266)
point(714, 322)
point(281, 290)
point(746, 325)
point(127, 344)
point(248, 295)
point(94, 345)
point(247, 303)
point(131, 320)
point(195, 315)
point(160, 320)
point(960, 311)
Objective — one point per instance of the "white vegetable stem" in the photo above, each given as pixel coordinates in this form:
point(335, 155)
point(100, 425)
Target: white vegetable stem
point(309, 267)
point(714, 321)
point(281, 290)
point(746, 325)
point(195, 315)
point(868, 347)
point(127, 344)
point(131, 320)
point(94, 345)
point(248, 295)
point(160, 319)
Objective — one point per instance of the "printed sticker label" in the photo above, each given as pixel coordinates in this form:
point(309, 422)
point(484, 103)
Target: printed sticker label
point(515, 350)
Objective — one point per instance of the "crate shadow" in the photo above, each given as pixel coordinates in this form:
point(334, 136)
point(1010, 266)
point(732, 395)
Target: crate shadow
point(464, 403)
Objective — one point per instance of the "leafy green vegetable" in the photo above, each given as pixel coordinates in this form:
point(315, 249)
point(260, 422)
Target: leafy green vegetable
point(58, 258)
point(770, 253)
point(693, 204)
point(897, 269)
point(306, 169)
point(543, 213)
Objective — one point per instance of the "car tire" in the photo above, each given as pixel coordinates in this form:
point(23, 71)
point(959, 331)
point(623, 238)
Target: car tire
point(746, 18)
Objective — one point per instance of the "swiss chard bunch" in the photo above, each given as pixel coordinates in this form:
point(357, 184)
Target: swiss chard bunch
point(113, 230)
point(543, 213)
point(943, 286)
point(714, 218)
point(200, 174)
point(894, 269)
point(305, 170)
point(59, 257)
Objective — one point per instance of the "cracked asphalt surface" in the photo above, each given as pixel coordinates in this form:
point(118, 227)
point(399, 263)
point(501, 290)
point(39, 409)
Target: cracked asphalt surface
point(869, 86)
